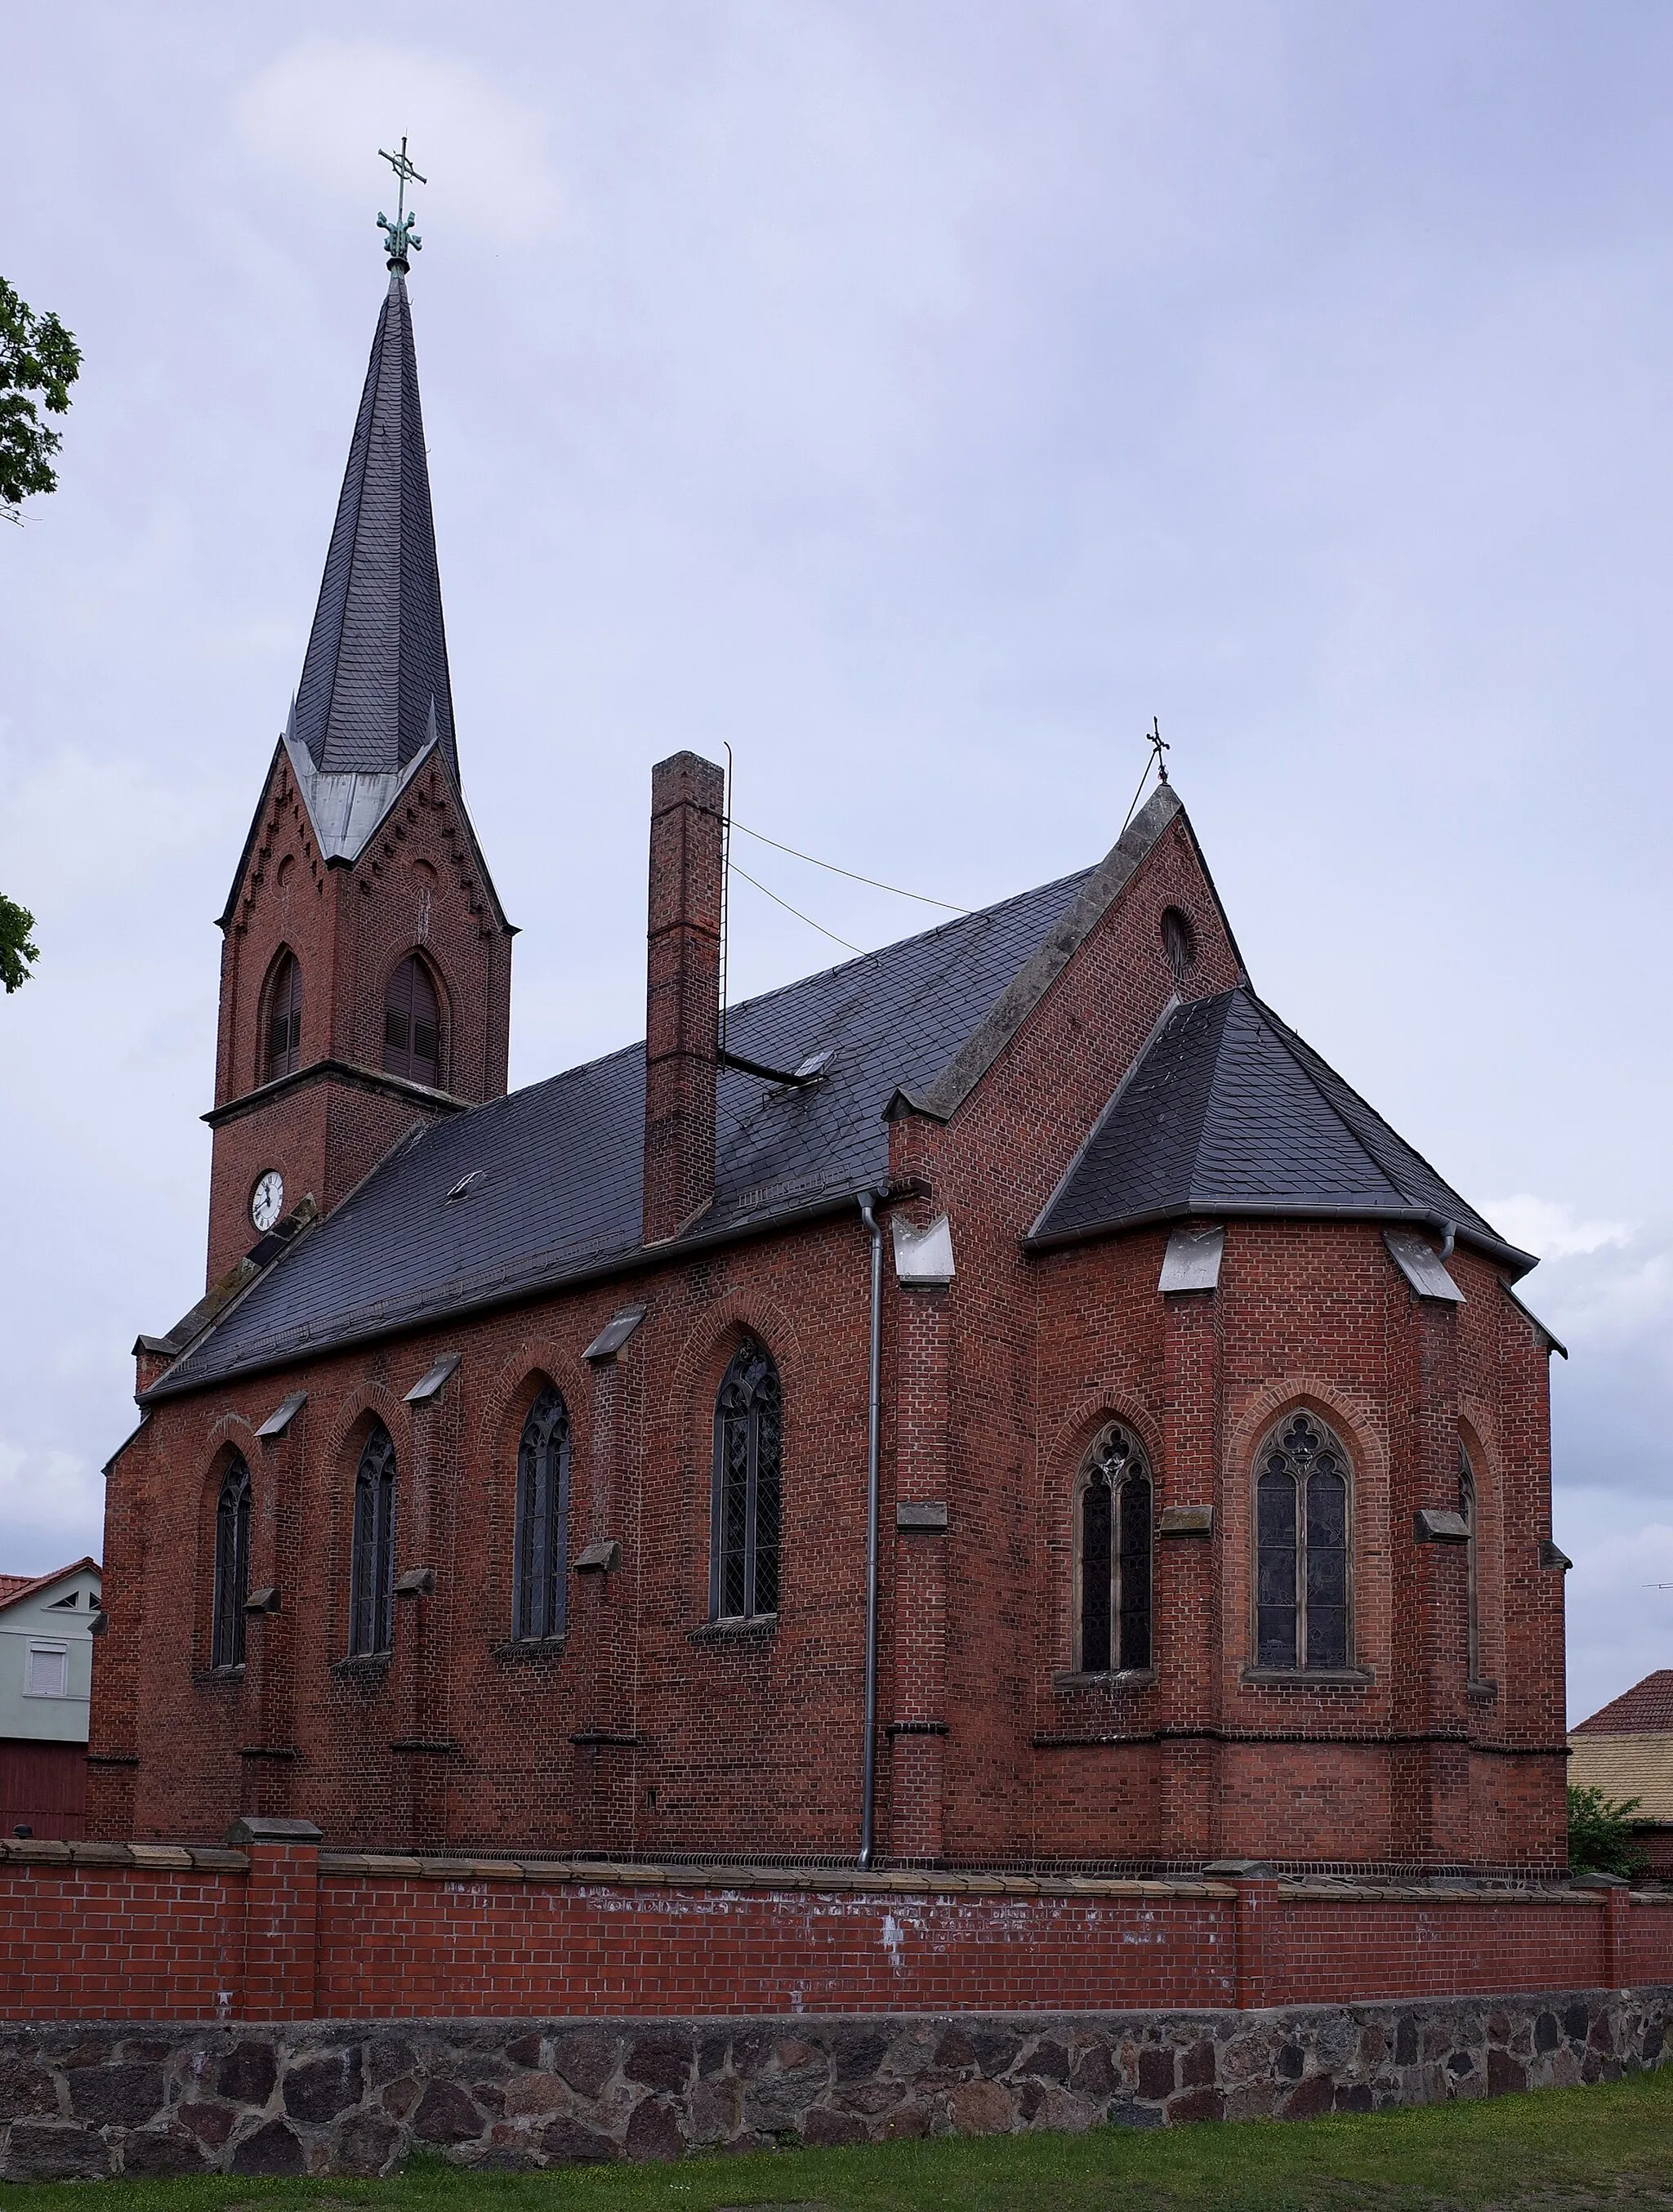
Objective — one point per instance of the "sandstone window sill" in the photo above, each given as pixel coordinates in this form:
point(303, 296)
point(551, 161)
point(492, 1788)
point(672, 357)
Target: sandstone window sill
point(1308, 1678)
point(218, 1678)
point(369, 1668)
point(525, 1650)
point(1482, 1693)
point(760, 1628)
point(1123, 1678)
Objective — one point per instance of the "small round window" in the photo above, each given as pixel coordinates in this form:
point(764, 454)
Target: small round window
point(1179, 942)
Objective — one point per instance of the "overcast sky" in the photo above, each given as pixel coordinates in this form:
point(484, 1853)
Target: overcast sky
point(918, 395)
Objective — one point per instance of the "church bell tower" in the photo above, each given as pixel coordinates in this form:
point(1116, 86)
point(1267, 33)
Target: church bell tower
point(366, 960)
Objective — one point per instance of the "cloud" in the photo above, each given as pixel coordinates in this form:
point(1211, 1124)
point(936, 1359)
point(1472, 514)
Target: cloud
point(51, 1507)
point(1552, 1227)
point(1619, 1598)
point(320, 112)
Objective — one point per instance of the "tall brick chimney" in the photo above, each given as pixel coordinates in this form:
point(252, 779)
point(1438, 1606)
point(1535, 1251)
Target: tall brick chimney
point(683, 992)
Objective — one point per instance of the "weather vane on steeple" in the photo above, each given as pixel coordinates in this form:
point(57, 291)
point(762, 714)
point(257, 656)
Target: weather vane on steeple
point(400, 233)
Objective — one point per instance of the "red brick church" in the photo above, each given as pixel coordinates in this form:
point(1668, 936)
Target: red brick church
point(1004, 1401)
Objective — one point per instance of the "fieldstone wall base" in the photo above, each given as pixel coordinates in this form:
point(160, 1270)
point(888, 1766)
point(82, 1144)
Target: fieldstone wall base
point(83, 2101)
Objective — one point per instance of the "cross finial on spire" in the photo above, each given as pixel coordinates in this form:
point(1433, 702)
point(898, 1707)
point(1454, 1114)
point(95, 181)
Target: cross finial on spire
point(1158, 745)
point(400, 235)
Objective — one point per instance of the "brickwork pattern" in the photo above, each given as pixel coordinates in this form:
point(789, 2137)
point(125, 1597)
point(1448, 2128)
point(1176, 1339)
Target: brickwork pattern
point(286, 1932)
point(997, 1751)
point(418, 885)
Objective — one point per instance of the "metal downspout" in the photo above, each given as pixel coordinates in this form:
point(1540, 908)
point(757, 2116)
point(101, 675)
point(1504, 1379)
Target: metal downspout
point(868, 1800)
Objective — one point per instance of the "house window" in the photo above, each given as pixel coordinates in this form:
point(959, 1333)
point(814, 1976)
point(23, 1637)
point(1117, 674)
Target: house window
point(539, 1601)
point(373, 1574)
point(412, 1025)
point(1115, 1529)
point(1467, 1509)
point(232, 1566)
point(1301, 1518)
point(284, 1019)
point(48, 1672)
point(743, 1580)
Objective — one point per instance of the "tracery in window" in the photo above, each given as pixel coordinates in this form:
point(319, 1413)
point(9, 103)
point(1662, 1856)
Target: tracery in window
point(232, 1566)
point(1467, 1509)
point(743, 1580)
point(283, 1050)
point(371, 1622)
point(1301, 1521)
point(539, 1601)
point(412, 1025)
point(1115, 1498)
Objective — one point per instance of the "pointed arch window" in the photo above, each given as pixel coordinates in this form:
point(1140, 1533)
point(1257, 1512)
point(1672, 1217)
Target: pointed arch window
point(1467, 1509)
point(743, 1579)
point(371, 1575)
point(283, 1049)
point(540, 1595)
point(1302, 1520)
point(412, 1025)
point(1114, 1516)
point(232, 1566)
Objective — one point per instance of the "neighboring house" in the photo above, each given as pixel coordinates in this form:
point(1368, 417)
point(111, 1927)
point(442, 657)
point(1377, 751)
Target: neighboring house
point(1626, 1752)
point(530, 1476)
point(45, 1684)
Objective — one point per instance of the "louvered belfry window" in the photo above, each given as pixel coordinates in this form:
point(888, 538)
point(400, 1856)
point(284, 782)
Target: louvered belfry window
point(1301, 1516)
point(232, 1566)
point(373, 1568)
point(412, 1025)
point(1114, 1532)
point(539, 1604)
point(743, 1583)
point(284, 1020)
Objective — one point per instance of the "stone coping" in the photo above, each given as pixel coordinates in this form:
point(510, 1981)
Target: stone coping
point(803, 1880)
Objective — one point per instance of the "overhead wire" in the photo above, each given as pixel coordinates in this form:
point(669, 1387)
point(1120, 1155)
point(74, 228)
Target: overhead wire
point(875, 882)
point(844, 942)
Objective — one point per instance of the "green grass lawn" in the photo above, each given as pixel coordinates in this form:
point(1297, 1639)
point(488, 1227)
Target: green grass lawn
point(1561, 2146)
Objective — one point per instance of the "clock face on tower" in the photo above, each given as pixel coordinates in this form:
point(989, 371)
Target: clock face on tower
point(267, 1200)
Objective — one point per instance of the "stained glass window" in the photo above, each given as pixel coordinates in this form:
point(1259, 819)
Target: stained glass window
point(747, 1488)
point(539, 1604)
point(373, 1576)
point(232, 1566)
point(1467, 1508)
point(1116, 1516)
point(1301, 1549)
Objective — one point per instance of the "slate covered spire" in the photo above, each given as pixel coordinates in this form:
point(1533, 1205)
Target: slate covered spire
point(375, 681)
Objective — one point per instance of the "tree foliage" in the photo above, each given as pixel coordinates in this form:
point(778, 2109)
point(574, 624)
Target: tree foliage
point(38, 356)
point(17, 951)
point(1601, 1838)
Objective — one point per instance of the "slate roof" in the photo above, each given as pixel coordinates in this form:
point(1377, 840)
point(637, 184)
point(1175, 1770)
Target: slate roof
point(562, 1161)
point(1644, 1709)
point(374, 686)
point(1228, 1112)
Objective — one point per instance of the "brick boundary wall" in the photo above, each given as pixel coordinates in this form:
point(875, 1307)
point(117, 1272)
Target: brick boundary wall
point(79, 2101)
point(288, 1931)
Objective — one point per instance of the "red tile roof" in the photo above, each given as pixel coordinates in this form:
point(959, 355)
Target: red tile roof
point(13, 1587)
point(1644, 1709)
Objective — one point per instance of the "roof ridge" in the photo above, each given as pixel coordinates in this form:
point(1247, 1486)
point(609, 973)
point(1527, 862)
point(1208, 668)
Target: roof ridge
point(1104, 884)
point(1312, 1064)
point(1299, 1054)
point(25, 1585)
point(1222, 1000)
